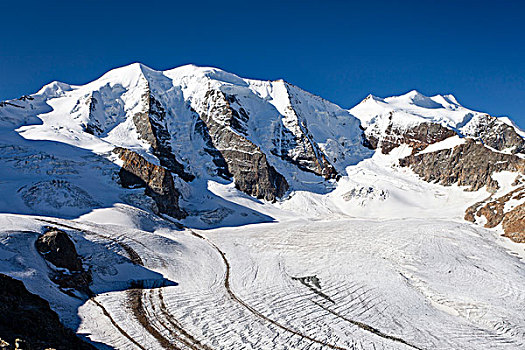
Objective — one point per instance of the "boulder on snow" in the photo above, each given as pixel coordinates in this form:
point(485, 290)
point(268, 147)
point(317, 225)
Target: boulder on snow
point(57, 248)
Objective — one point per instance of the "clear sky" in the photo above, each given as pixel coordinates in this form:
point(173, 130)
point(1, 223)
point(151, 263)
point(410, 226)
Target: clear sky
point(340, 50)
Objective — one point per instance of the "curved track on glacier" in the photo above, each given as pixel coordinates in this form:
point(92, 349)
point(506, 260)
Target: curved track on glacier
point(179, 337)
point(237, 299)
point(150, 309)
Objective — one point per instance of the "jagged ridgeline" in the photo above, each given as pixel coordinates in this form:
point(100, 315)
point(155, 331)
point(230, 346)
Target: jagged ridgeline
point(171, 132)
point(203, 123)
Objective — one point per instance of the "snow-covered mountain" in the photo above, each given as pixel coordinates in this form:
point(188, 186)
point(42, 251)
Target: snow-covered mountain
point(154, 175)
point(423, 120)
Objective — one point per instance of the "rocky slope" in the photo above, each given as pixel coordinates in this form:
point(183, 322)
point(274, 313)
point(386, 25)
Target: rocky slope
point(469, 164)
point(245, 161)
point(158, 181)
point(504, 210)
point(28, 317)
point(495, 133)
point(468, 149)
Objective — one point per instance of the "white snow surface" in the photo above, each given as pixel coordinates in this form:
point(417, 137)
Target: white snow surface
point(413, 108)
point(429, 283)
point(448, 143)
point(395, 264)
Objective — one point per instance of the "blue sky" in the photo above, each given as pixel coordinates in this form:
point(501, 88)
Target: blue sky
point(341, 50)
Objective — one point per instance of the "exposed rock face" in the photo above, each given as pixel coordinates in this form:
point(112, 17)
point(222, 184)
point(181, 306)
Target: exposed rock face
point(101, 110)
point(299, 149)
point(514, 224)
point(418, 137)
point(496, 211)
point(138, 172)
point(27, 316)
point(151, 126)
point(495, 134)
point(93, 126)
point(469, 164)
point(217, 158)
point(472, 164)
point(246, 162)
point(57, 248)
point(296, 145)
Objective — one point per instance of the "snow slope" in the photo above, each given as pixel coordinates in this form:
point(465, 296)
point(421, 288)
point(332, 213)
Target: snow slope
point(377, 259)
point(298, 283)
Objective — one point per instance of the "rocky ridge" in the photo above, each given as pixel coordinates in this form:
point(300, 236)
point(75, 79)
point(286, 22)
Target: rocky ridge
point(495, 134)
point(245, 161)
point(496, 211)
point(295, 143)
point(469, 164)
point(418, 137)
point(151, 126)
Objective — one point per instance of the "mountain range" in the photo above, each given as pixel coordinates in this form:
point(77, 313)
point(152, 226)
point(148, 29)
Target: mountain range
point(148, 180)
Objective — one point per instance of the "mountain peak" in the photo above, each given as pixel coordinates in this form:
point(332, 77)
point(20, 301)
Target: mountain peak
point(200, 72)
point(130, 69)
point(371, 97)
point(450, 98)
point(54, 89)
point(414, 94)
point(127, 76)
point(414, 98)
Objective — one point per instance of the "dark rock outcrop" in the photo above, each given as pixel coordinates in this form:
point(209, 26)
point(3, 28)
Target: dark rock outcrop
point(218, 160)
point(245, 161)
point(418, 137)
point(93, 126)
point(151, 126)
point(469, 164)
point(57, 248)
point(138, 172)
point(514, 224)
point(253, 174)
point(306, 154)
point(27, 316)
